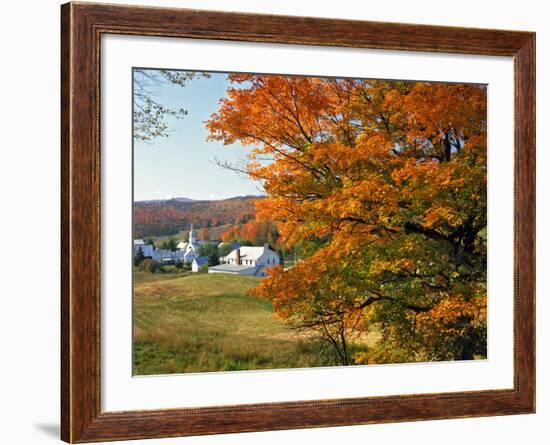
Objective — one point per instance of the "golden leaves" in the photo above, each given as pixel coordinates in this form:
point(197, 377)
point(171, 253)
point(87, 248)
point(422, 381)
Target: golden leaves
point(385, 184)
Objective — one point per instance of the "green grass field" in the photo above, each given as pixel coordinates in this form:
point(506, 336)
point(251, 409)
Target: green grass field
point(206, 322)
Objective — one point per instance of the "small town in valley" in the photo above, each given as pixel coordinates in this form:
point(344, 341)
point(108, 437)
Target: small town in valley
point(241, 260)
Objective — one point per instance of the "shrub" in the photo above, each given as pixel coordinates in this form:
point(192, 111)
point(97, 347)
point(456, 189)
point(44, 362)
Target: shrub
point(151, 266)
point(138, 257)
point(213, 260)
point(225, 249)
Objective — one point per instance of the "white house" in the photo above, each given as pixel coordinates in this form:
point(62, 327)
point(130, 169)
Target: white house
point(247, 260)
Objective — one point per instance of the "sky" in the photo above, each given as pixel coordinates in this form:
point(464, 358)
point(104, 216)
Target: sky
point(182, 164)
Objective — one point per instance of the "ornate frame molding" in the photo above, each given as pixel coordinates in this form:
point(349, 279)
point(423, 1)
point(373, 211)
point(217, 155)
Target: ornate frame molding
point(82, 26)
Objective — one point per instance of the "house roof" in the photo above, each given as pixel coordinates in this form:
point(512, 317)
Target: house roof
point(147, 249)
point(201, 260)
point(248, 252)
point(230, 268)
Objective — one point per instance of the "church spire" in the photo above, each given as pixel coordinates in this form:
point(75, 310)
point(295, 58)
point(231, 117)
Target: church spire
point(192, 239)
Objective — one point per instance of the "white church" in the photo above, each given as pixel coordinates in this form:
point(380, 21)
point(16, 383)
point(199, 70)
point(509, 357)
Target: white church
point(189, 247)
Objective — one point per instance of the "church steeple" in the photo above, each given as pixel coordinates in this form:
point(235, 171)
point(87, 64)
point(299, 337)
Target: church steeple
point(192, 239)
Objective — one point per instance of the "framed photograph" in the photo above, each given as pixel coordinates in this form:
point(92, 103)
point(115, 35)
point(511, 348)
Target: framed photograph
point(275, 222)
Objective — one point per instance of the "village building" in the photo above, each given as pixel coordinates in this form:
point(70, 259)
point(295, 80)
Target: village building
point(242, 260)
point(146, 249)
point(247, 260)
point(185, 253)
point(198, 262)
point(189, 247)
point(164, 256)
point(234, 269)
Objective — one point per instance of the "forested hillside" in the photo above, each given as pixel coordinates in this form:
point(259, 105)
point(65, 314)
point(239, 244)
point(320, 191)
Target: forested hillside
point(166, 217)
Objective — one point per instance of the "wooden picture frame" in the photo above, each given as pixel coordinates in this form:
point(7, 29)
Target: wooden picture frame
point(82, 26)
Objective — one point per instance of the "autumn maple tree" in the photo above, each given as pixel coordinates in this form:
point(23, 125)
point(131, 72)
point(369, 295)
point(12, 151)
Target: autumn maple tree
point(382, 187)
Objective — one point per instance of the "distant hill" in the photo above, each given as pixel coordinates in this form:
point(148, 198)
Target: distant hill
point(166, 217)
point(158, 201)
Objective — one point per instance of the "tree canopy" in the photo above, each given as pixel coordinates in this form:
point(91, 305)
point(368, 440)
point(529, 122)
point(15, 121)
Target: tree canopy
point(382, 186)
point(169, 244)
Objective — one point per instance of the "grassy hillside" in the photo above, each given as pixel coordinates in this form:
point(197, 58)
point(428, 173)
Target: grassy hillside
point(207, 322)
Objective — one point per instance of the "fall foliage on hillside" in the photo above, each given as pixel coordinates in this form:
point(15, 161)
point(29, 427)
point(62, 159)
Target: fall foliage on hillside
point(257, 232)
point(382, 187)
point(153, 218)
